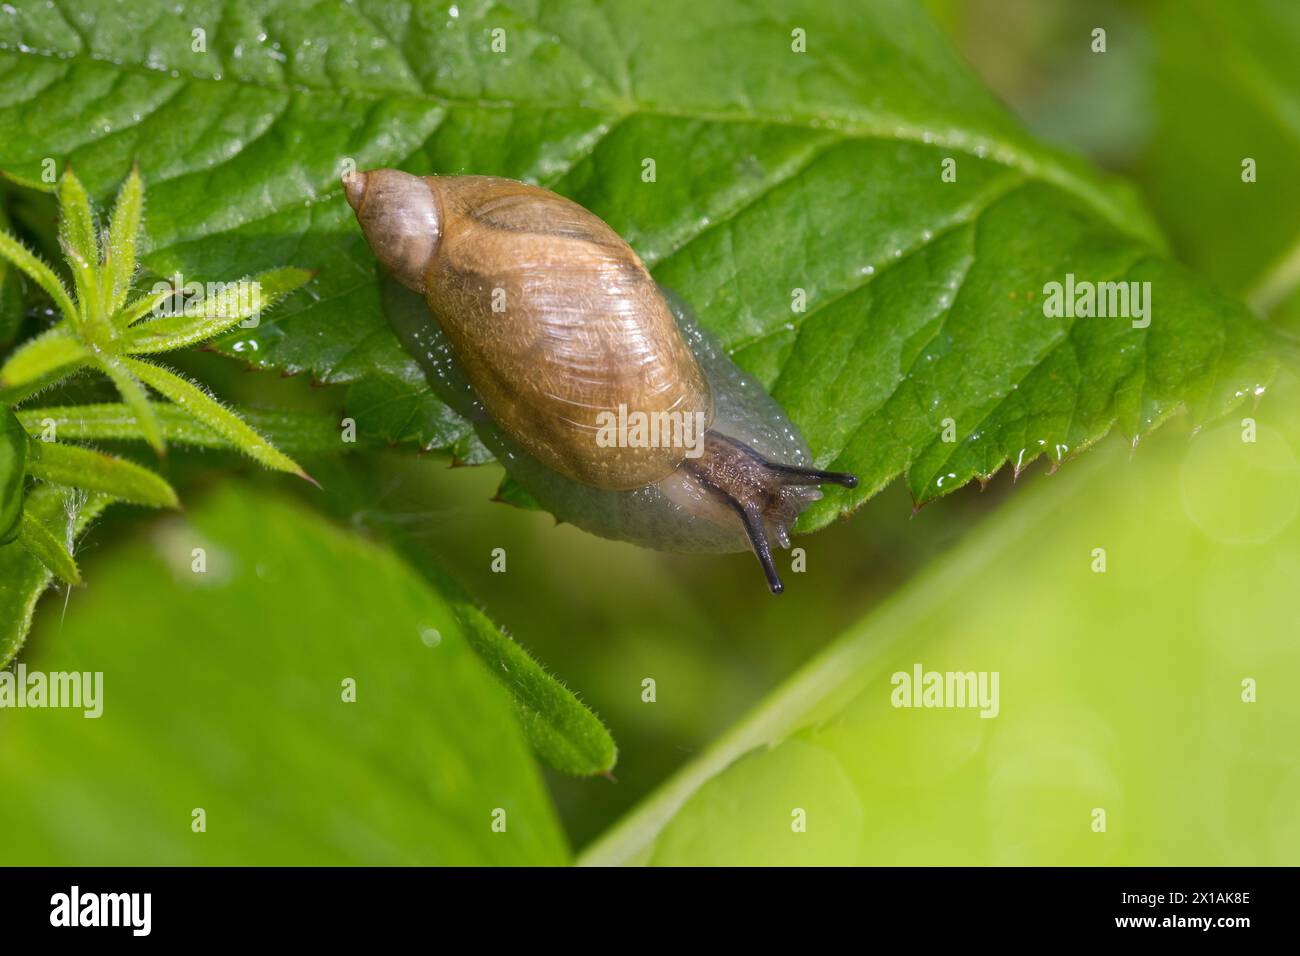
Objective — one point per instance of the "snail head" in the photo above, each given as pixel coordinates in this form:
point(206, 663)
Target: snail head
point(400, 218)
point(766, 496)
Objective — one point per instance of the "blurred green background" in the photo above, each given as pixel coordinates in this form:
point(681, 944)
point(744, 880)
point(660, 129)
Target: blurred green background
point(1120, 691)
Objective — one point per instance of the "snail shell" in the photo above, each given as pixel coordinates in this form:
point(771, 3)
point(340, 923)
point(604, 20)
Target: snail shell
point(549, 327)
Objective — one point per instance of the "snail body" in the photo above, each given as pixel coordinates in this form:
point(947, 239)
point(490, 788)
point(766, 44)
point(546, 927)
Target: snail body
point(551, 336)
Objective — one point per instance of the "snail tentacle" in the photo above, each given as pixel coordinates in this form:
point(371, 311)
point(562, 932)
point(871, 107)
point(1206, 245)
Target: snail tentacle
point(753, 520)
point(767, 496)
point(794, 475)
point(751, 516)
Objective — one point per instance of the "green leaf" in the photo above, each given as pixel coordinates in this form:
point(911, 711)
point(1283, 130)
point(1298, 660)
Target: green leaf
point(13, 471)
point(206, 410)
point(561, 731)
point(47, 549)
point(23, 578)
point(776, 171)
point(26, 261)
point(208, 318)
point(79, 238)
point(145, 304)
point(136, 398)
point(559, 728)
point(77, 467)
point(227, 694)
point(123, 230)
point(11, 296)
point(511, 492)
point(1120, 689)
point(40, 361)
point(295, 431)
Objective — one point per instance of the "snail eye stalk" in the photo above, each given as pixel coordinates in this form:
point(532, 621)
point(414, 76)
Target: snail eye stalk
point(753, 521)
point(767, 496)
point(793, 475)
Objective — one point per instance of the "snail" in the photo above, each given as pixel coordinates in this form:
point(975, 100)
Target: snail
point(593, 385)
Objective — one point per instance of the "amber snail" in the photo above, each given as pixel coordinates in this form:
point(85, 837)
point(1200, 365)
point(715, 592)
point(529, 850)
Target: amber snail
point(593, 385)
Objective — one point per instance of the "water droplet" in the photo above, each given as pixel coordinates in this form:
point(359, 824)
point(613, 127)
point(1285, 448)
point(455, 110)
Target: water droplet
point(430, 637)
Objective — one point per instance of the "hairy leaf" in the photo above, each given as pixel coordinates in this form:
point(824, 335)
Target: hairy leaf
point(564, 733)
point(27, 262)
point(135, 397)
point(42, 544)
point(39, 361)
point(79, 237)
point(561, 730)
point(73, 466)
point(207, 318)
point(212, 414)
point(296, 431)
point(11, 295)
point(123, 233)
point(23, 578)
